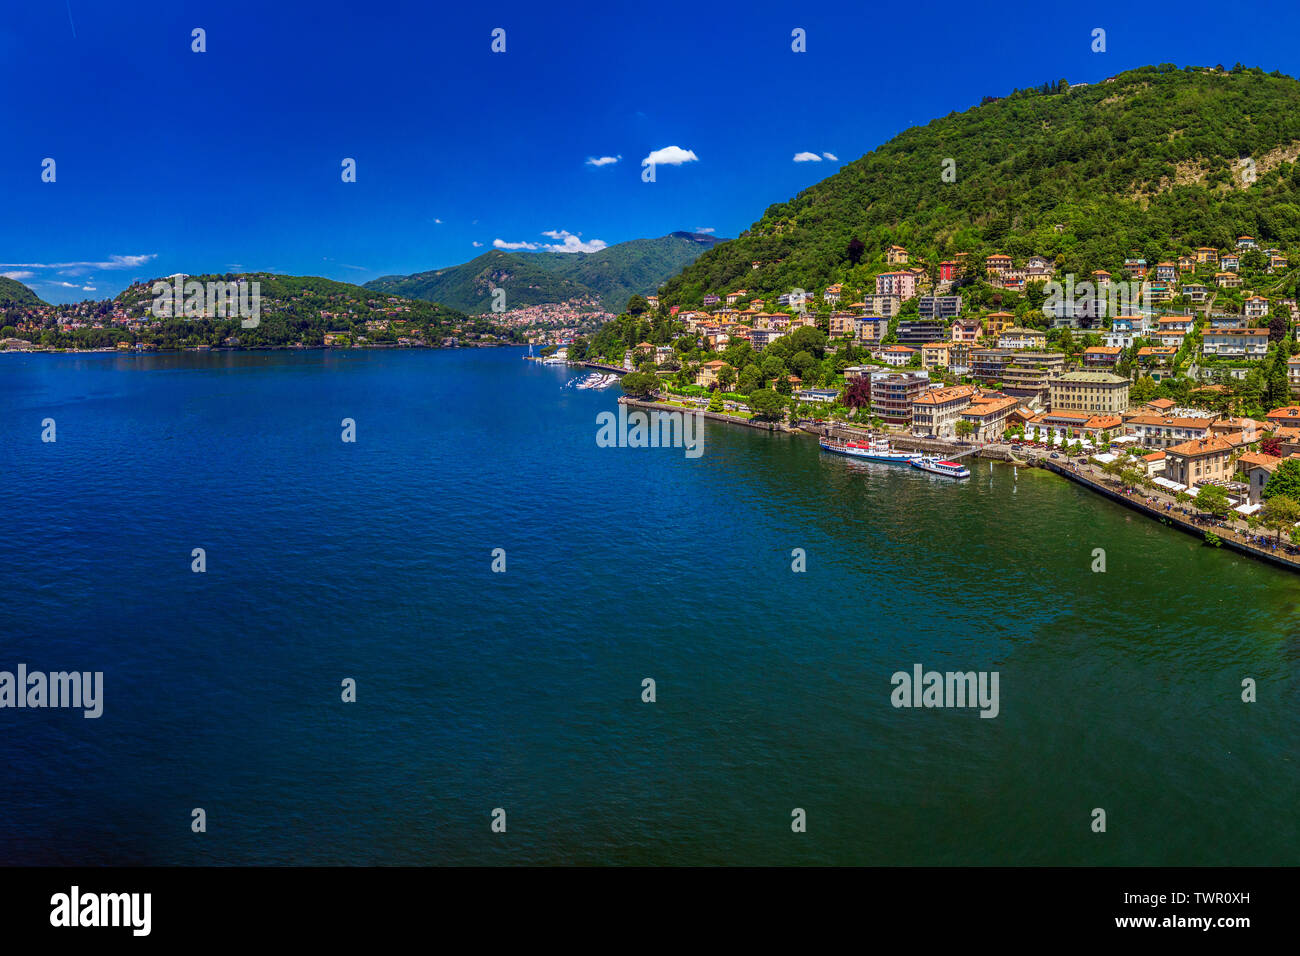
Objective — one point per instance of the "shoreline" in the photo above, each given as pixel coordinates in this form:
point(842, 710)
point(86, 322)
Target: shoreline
point(35, 350)
point(1177, 517)
point(1180, 520)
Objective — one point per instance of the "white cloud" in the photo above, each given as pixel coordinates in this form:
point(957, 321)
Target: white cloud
point(568, 242)
point(670, 156)
point(88, 288)
point(565, 242)
point(705, 229)
point(77, 268)
point(832, 157)
point(17, 275)
point(603, 160)
point(438, 221)
point(476, 245)
point(807, 158)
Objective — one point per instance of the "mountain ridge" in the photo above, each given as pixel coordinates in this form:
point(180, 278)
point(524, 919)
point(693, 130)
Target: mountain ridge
point(606, 278)
point(1146, 163)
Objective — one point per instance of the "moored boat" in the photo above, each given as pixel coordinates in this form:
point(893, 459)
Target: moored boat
point(941, 466)
point(875, 450)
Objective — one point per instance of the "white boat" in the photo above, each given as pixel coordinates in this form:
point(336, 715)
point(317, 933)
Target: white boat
point(878, 449)
point(941, 466)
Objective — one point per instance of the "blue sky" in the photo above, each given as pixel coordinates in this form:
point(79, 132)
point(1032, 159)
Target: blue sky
point(169, 160)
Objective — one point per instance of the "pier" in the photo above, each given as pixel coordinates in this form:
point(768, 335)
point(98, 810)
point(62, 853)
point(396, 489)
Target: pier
point(766, 426)
point(931, 446)
point(600, 366)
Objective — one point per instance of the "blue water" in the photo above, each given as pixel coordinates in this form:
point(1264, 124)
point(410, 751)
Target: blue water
point(328, 560)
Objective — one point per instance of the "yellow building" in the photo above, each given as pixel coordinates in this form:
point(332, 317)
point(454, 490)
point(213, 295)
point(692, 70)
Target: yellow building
point(1096, 392)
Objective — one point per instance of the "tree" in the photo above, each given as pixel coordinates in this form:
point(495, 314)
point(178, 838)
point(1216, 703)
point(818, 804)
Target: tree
point(964, 428)
point(715, 401)
point(1278, 326)
point(726, 378)
point(751, 378)
point(1285, 481)
point(1278, 390)
point(858, 395)
point(853, 252)
point(1213, 499)
point(1143, 390)
point(772, 367)
point(637, 305)
point(801, 362)
point(1281, 513)
point(767, 404)
point(640, 384)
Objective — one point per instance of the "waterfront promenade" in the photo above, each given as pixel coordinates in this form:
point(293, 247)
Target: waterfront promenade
point(1157, 504)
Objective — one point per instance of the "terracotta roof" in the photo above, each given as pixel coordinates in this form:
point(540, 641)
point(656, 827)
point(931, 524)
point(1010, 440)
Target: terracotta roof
point(1255, 459)
point(989, 405)
point(1104, 421)
point(938, 396)
point(1169, 422)
point(1201, 446)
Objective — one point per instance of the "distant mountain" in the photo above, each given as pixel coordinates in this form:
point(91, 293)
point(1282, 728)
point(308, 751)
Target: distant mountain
point(298, 295)
point(13, 294)
point(607, 278)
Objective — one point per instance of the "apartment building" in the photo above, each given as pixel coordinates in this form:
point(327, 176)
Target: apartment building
point(892, 395)
point(1199, 462)
point(936, 411)
point(1235, 343)
point(1090, 392)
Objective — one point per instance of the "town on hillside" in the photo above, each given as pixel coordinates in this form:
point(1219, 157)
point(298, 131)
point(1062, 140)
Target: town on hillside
point(1179, 373)
point(295, 312)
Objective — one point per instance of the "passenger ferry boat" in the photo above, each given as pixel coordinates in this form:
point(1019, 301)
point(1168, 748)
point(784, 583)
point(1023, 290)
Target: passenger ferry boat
point(939, 466)
point(874, 450)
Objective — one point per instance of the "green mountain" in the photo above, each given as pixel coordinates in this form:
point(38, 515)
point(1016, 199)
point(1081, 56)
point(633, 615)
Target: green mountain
point(299, 309)
point(1150, 163)
point(13, 294)
point(296, 294)
point(607, 278)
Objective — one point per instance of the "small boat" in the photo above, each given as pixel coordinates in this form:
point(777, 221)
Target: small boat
point(877, 449)
point(940, 466)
